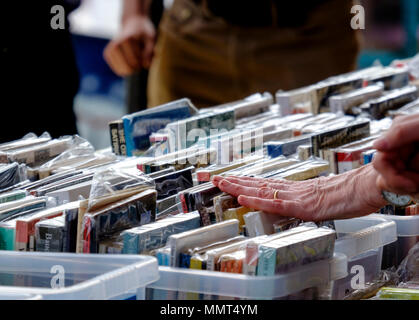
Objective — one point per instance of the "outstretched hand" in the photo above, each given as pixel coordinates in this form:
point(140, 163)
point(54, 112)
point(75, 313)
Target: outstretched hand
point(344, 196)
point(397, 159)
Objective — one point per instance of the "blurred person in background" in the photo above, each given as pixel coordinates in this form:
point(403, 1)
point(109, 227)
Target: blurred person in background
point(38, 70)
point(217, 51)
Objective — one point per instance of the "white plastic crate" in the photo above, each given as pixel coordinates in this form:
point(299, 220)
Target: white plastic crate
point(19, 296)
point(362, 241)
point(177, 283)
point(68, 276)
point(408, 236)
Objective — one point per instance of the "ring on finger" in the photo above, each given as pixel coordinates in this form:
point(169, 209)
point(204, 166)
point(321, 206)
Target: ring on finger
point(276, 194)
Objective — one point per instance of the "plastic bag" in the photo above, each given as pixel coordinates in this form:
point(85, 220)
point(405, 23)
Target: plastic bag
point(27, 140)
point(119, 181)
point(409, 267)
point(12, 174)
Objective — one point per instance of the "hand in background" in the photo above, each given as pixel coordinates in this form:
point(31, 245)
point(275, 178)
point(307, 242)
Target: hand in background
point(133, 48)
point(397, 159)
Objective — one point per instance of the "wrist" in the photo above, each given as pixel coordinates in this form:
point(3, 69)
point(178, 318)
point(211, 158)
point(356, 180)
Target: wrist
point(368, 190)
point(349, 195)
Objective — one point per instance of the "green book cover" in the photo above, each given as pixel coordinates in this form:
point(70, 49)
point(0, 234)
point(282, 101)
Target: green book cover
point(7, 235)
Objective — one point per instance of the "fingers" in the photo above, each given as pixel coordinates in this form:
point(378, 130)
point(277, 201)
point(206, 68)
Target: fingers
point(255, 182)
point(237, 189)
point(403, 132)
point(132, 54)
point(281, 207)
point(401, 182)
point(116, 60)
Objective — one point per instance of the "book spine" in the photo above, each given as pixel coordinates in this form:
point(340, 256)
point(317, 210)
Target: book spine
point(7, 238)
point(195, 264)
point(184, 260)
point(131, 243)
point(129, 142)
point(70, 230)
point(49, 239)
point(251, 260)
point(114, 133)
point(122, 139)
point(22, 236)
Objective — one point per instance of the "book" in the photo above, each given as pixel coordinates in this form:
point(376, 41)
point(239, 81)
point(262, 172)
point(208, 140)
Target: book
point(139, 126)
point(11, 209)
point(49, 235)
point(124, 214)
point(345, 102)
point(172, 183)
point(200, 237)
point(114, 133)
point(41, 153)
point(392, 78)
point(213, 261)
point(152, 236)
point(70, 228)
point(337, 137)
point(25, 226)
point(395, 99)
point(238, 214)
point(222, 203)
point(282, 254)
point(297, 101)
point(185, 133)
point(232, 262)
point(12, 196)
point(286, 147)
point(8, 230)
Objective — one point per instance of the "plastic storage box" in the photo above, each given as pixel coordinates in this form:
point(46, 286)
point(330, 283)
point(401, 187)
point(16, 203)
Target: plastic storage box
point(407, 237)
point(177, 283)
point(19, 296)
point(68, 276)
point(362, 241)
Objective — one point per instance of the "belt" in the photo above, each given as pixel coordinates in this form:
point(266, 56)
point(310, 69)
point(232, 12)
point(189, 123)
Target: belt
point(261, 13)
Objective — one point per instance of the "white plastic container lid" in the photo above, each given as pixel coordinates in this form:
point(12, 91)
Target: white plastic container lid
point(407, 226)
point(85, 276)
point(19, 296)
point(364, 234)
point(252, 287)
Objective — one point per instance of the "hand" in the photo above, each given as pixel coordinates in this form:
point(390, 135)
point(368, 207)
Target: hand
point(293, 198)
point(397, 159)
point(349, 195)
point(133, 48)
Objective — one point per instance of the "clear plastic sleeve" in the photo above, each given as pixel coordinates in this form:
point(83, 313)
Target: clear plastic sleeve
point(111, 181)
point(409, 267)
point(12, 174)
point(81, 154)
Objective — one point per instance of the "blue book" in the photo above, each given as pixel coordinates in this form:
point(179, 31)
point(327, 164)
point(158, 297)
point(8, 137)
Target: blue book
point(154, 235)
point(286, 147)
point(140, 125)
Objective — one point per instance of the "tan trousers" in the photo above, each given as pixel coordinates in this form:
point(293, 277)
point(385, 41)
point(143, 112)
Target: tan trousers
point(211, 62)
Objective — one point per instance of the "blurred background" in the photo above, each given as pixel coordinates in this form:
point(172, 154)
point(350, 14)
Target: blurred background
point(391, 33)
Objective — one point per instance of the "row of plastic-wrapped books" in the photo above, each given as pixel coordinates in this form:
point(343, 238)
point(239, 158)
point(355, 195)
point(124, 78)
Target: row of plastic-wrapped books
point(142, 218)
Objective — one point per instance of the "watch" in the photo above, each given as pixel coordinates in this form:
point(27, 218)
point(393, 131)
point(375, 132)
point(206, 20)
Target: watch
point(397, 200)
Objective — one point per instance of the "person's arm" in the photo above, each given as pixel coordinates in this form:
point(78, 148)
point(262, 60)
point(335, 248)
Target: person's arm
point(133, 47)
point(349, 195)
point(397, 159)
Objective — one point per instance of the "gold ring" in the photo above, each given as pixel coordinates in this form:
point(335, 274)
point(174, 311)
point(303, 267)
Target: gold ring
point(275, 194)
